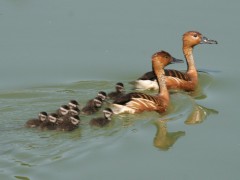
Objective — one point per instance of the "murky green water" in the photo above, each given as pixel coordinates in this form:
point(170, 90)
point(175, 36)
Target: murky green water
point(55, 51)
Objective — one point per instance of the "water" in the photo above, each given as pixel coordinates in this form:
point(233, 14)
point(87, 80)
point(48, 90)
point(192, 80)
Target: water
point(55, 51)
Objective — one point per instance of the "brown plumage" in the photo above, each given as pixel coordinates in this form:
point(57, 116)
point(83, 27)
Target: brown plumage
point(102, 121)
point(137, 102)
point(50, 123)
point(176, 79)
point(69, 124)
point(92, 106)
point(36, 122)
point(119, 91)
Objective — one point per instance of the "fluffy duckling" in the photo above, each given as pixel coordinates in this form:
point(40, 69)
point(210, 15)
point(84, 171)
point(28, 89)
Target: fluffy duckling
point(119, 91)
point(36, 122)
point(93, 106)
point(102, 95)
point(73, 104)
point(102, 121)
point(69, 124)
point(74, 111)
point(50, 123)
point(63, 110)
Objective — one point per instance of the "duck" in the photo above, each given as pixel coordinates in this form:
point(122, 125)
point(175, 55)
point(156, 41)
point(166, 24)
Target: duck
point(74, 111)
point(69, 124)
point(36, 122)
point(137, 102)
point(92, 106)
point(102, 121)
point(119, 91)
point(102, 95)
point(186, 81)
point(63, 110)
point(50, 123)
point(73, 104)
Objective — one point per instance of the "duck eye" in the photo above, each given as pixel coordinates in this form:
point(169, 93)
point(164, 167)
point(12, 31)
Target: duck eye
point(195, 35)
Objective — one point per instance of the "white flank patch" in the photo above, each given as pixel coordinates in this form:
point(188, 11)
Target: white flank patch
point(119, 109)
point(146, 85)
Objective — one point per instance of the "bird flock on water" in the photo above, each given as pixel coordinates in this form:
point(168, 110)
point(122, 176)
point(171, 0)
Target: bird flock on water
point(67, 117)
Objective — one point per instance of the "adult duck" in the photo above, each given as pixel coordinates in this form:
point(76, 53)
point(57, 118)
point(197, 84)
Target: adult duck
point(175, 79)
point(137, 102)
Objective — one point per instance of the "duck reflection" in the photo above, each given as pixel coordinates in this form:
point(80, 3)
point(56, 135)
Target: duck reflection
point(164, 139)
point(199, 114)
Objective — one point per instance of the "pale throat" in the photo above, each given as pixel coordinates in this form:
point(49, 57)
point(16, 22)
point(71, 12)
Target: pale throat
point(188, 53)
point(191, 69)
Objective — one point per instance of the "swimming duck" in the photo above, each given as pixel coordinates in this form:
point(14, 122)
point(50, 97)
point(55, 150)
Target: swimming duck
point(175, 79)
point(63, 110)
point(74, 111)
point(119, 91)
point(32, 123)
point(102, 95)
point(102, 121)
point(73, 104)
point(50, 123)
point(92, 106)
point(137, 102)
point(69, 124)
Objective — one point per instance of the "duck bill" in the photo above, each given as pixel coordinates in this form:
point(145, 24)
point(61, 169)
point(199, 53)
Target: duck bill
point(205, 40)
point(175, 60)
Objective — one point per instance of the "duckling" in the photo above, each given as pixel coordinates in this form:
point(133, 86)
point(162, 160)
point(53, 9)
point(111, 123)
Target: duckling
point(119, 91)
point(102, 95)
point(93, 106)
point(50, 123)
point(137, 102)
point(102, 121)
point(187, 81)
point(74, 111)
point(73, 103)
point(36, 122)
point(63, 111)
point(69, 124)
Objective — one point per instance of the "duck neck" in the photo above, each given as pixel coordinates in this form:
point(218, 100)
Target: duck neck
point(191, 68)
point(163, 91)
point(188, 53)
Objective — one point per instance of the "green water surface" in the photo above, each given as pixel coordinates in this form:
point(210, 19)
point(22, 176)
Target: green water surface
point(54, 51)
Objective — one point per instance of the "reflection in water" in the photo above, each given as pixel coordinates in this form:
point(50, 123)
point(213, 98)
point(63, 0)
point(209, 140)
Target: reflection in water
point(23, 163)
point(205, 80)
point(198, 93)
point(199, 114)
point(22, 177)
point(164, 139)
